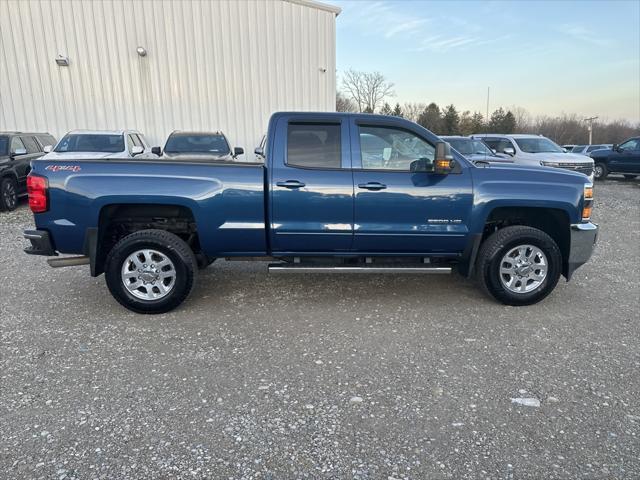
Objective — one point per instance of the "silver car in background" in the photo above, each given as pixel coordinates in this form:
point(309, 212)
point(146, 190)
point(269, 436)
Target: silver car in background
point(91, 144)
point(536, 150)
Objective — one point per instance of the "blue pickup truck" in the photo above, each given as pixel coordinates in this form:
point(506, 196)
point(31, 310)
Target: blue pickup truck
point(337, 193)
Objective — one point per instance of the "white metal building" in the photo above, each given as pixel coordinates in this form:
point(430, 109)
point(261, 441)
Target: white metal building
point(162, 65)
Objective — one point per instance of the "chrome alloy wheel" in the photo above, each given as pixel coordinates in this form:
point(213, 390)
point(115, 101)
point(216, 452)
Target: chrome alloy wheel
point(148, 274)
point(598, 171)
point(523, 269)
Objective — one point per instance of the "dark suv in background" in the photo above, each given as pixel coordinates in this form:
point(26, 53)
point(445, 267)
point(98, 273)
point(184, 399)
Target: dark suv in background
point(17, 149)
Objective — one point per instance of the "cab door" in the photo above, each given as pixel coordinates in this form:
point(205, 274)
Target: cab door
point(627, 157)
point(311, 186)
point(397, 211)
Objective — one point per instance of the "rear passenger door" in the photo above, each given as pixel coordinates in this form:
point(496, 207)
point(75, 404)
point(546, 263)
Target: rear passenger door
point(311, 186)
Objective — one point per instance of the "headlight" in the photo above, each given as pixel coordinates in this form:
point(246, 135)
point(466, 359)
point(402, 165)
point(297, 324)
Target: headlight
point(549, 164)
point(588, 202)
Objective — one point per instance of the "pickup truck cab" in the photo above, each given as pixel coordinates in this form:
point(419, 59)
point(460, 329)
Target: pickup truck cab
point(338, 193)
point(623, 159)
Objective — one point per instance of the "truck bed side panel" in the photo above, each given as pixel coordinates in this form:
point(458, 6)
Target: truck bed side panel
point(227, 200)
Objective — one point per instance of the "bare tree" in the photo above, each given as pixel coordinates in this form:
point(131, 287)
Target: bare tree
point(412, 111)
point(367, 90)
point(344, 104)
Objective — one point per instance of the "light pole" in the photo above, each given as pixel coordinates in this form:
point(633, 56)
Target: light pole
point(590, 127)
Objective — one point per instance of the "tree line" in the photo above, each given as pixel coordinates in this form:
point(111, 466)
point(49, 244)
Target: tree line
point(371, 92)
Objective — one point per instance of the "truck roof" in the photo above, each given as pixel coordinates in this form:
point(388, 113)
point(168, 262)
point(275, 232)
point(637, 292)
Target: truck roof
point(100, 132)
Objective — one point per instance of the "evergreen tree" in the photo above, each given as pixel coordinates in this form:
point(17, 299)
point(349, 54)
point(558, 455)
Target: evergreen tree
point(450, 121)
point(386, 109)
point(466, 123)
point(509, 123)
point(431, 118)
point(477, 123)
point(397, 111)
point(496, 124)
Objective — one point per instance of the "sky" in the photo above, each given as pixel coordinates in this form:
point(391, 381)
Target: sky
point(549, 57)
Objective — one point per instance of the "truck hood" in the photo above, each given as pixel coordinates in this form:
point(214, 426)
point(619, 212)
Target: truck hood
point(528, 170)
point(559, 157)
point(79, 155)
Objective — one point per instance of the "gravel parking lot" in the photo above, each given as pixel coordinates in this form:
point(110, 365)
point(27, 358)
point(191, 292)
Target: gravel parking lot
point(317, 376)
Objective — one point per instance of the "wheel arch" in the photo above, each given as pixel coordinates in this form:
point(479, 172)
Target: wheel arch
point(554, 221)
point(118, 220)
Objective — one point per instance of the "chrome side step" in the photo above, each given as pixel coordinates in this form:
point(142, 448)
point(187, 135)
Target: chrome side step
point(297, 268)
point(67, 261)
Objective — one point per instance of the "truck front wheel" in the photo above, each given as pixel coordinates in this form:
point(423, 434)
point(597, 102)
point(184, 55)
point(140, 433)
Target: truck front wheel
point(151, 271)
point(519, 265)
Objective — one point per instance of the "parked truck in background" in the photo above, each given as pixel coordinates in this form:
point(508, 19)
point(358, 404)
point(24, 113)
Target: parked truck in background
point(337, 193)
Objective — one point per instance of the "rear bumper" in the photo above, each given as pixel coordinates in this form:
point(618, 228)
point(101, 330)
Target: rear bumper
point(583, 240)
point(40, 243)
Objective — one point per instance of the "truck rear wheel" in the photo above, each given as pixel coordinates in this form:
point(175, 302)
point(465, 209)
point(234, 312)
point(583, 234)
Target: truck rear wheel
point(519, 265)
point(151, 271)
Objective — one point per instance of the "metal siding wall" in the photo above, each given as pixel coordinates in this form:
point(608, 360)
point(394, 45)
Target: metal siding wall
point(211, 64)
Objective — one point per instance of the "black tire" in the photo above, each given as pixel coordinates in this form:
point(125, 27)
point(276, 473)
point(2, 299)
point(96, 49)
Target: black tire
point(166, 243)
point(498, 245)
point(630, 177)
point(8, 194)
point(600, 171)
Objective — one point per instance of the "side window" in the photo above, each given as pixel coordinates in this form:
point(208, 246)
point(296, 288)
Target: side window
point(45, 140)
point(16, 144)
point(130, 142)
point(30, 144)
point(314, 145)
point(141, 141)
point(388, 148)
point(630, 145)
point(593, 147)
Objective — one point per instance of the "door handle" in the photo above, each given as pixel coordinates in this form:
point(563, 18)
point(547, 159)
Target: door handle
point(372, 186)
point(290, 184)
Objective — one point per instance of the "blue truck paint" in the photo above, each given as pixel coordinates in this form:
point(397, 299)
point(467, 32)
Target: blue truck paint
point(277, 210)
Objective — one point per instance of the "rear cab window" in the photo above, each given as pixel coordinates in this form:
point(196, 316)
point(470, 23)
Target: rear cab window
point(314, 145)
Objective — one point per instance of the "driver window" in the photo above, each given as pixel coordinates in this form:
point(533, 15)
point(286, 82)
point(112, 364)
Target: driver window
point(388, 148)
point(630, 145)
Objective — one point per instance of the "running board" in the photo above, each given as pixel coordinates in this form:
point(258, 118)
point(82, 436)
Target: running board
point(285, 268)
point(67, 261)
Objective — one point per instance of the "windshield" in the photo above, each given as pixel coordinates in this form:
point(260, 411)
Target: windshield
point(537, 145)
point(84, 142)
point(4, 145)
point(214, 144)
point(469, 147)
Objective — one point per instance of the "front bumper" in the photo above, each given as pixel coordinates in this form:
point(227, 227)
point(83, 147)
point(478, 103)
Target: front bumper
point(583, 241)
point(40, 243)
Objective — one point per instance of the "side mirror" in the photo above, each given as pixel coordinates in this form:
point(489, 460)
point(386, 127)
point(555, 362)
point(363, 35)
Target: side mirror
point(509, 151)
point(136, 150)
point(156, 151)
point(19, 151)
point(238, 151)
point(259, 151)
point(494, 150)
point(616, 147)
point(564, 150)
point(47, 148)
point(444, 162)
point(423, 165)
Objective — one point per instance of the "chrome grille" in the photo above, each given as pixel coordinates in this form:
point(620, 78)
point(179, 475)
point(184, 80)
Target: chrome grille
point(587, 169)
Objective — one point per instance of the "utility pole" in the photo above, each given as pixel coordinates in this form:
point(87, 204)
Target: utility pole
point(487, 117)
point(590, 127)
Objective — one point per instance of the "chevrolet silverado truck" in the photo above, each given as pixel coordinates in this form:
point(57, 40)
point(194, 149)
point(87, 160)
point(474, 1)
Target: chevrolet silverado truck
point(337, 193)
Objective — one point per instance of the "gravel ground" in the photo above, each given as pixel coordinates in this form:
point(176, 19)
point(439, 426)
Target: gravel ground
point(317, 376)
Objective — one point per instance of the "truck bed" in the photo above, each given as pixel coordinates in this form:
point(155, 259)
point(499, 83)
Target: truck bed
point(227, 199)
